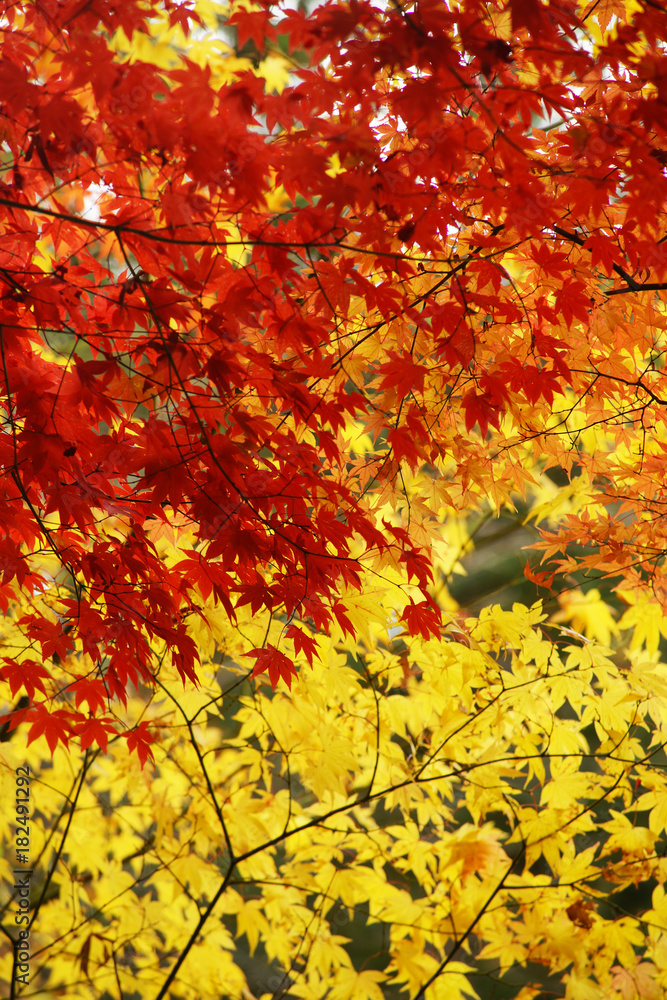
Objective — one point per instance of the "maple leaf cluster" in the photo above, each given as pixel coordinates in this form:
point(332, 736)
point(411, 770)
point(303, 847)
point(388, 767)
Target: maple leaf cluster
point(304, 314)
point(442, 225)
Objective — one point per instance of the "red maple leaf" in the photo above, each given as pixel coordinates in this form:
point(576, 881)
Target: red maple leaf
point(49, 634)
point(422, 619)
point(275, 663)
point(28, 674)
point(97, 731)
point(90, 690)
point(139, 740)
point(303, 643)
point(56, 726)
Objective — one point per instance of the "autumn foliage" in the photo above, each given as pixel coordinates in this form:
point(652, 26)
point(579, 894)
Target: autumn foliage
point(294, 302)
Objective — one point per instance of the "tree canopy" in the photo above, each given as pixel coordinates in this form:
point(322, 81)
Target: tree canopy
point(305, 310)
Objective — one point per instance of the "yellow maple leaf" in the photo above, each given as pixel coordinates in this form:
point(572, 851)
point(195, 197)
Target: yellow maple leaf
point(589, 614)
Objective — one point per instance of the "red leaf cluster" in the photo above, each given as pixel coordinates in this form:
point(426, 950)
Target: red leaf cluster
point(204, 278)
